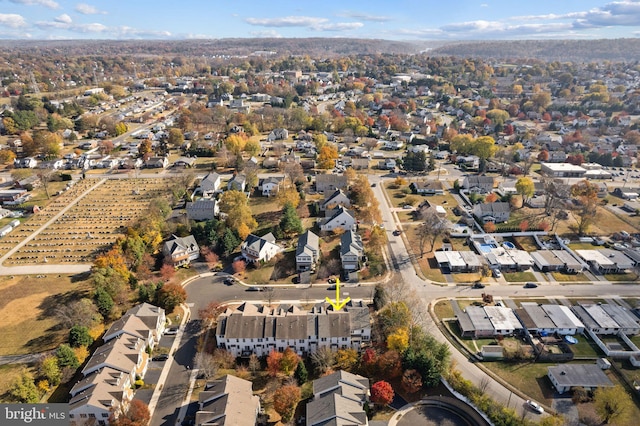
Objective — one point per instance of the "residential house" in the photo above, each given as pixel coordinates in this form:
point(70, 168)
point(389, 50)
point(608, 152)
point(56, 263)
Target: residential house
point(237, 183)
point(427, 187)
point(307, 252)
point(564, 377)
point(228, 400)
point(260, 249)
point(97, 396)
point(269, 186)
point(341, 218)
point(157, 163)
point(185, 162)
point(478, 184)
point(25, 163)
point(203, 209)
point(181, 250)
point(209, 185)
point(387, 164)
point(329, 183)
point(351, 250)
point(393, 145)
point(497, 212)
point(335, 199)
point(278, 135)
point(338, 399)
point(458, 261)
point(257, 329)
point(606, 261)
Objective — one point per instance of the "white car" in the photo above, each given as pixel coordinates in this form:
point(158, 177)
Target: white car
point(535, 406)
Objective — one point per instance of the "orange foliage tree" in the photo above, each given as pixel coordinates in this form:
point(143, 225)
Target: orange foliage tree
point(382, 393)
point(285, 401)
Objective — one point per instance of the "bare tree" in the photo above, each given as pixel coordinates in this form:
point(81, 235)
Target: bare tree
point(206, 364)
point(293, 171)
point(323, 359)
point(254, 364)
point(432, 227)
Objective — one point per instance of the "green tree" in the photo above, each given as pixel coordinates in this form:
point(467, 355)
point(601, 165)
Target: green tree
point(66, 357)
point(230, 242)
point(50, 370)
point(290, 224)
point(24, 389)
point(289, 361)
point(104, 302)
point(79, 336)
point(613, 405)
point(301, 374)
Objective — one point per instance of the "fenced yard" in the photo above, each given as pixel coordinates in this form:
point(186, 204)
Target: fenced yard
point(88, 227)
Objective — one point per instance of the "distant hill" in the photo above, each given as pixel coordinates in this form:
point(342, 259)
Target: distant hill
point(317, 47)
point(616, 50)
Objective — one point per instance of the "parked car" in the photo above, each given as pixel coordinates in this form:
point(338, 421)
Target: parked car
point(161, 357)
point(530, 285)
point(478, 284)
point(229, 281)
point(171, 331)
point(497, 273)
point(407, 207)
point(535, 406)
point(255, 288)
point(373, 185)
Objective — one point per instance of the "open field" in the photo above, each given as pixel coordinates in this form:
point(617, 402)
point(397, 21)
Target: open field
point(27, 306)
point(88, 227)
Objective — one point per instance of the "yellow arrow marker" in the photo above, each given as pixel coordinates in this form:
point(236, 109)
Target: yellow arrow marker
point(337, 305)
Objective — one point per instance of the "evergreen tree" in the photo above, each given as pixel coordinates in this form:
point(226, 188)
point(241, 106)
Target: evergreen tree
point(79, 336)
point(301, 373)
point(290, 223)
point(229, 242)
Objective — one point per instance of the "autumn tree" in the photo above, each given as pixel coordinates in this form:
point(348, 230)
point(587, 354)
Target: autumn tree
point(210, 313)
point(273, 362)
point(491, 198)
point(288, 195)
point(170, 296)
point(7, 156)
point(137, 414)
point(411, 381)
point(327, 156)
point(239, 266)
point(613, 405)
point(346, 359)
point(176, 138)
point(489, 227)
point(236, 206)
point(285, 401)
point(586, 195)
point(167, 272)
point(144, 149)
point(23, 389)
point(289, 361)
point(50, 370)
point(398, 340)
point(210, 257)
point(390, 364)
point(526, 188)
point(382, 393)
point(369, 361)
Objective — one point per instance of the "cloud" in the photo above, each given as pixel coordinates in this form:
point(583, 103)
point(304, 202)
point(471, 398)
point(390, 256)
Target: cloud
point(12, 20)
point(364, 16)
point(317, 24)
point(46, 3)
point(484, 5)
point(87, 9)
point(64, 18)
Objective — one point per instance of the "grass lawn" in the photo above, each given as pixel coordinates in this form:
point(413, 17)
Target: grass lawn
point(526, 243)
point(629, 276)
point(443, 309)
point(519, 276)
point(468, 278)
point(395, 194)
point(405, 216)
point(581, 246)
point(586, 348)
point(27, 307)
point(562, 277)
point(530, 378)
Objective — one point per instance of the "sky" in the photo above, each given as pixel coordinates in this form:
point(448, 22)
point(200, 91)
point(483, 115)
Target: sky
point(381, 19)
